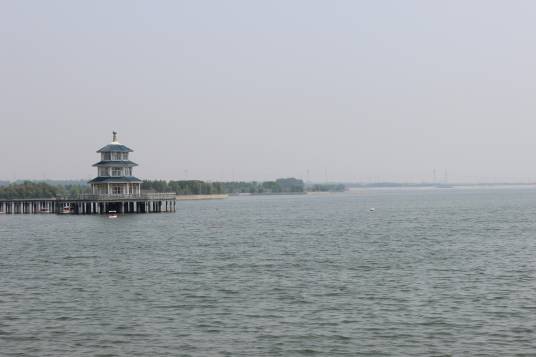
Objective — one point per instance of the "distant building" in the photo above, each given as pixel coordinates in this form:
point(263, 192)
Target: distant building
point(114, 171)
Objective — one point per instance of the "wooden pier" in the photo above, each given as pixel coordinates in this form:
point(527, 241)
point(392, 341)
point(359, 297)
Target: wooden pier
point(92, 204)
point(114, 190)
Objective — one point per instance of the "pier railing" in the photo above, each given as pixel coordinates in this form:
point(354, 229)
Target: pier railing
point(149, 196)
point(112, 197)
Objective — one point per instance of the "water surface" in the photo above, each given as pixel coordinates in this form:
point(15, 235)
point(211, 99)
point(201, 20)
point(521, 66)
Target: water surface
point(430, 272)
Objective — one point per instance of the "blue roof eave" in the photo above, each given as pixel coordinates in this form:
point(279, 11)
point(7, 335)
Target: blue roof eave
point(105, 163)
point(114, 148)
point(115, 179)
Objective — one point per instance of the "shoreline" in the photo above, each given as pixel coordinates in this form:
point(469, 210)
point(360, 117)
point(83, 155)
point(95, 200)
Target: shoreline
point(200, 197)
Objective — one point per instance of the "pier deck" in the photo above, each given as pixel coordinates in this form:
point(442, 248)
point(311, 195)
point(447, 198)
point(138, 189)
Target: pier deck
point(92, 204)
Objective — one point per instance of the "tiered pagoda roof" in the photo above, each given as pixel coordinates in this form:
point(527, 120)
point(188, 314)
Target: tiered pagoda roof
point(115, 147)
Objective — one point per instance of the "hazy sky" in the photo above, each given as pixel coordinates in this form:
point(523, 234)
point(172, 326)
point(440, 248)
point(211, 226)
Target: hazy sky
point(360, 90)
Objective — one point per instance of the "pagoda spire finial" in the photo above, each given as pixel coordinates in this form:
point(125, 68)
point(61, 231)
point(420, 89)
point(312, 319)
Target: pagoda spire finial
point(114, 136)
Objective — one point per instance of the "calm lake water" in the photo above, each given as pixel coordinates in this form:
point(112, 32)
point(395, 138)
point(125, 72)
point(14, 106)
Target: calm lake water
point(430, 272)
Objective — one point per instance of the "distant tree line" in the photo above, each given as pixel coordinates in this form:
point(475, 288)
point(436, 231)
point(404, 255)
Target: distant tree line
point(196, 187)
point(31, 189)
point(327, 187)
point(50, 189)
point(189, 187)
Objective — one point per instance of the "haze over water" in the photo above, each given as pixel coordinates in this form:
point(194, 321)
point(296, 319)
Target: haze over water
point(447, 271)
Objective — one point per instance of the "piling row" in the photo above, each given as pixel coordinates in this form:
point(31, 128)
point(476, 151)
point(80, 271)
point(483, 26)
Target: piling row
point(66, 206)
